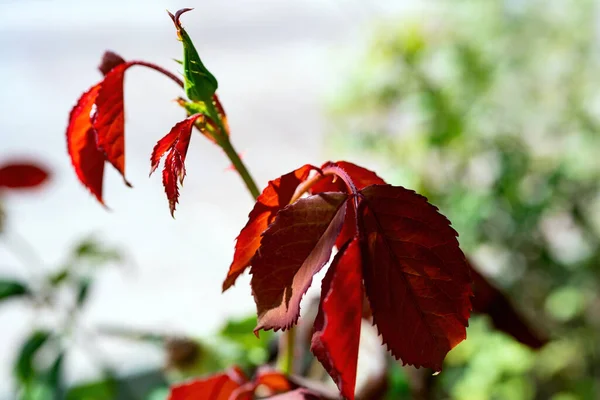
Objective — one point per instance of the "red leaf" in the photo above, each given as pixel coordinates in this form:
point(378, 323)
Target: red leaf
point(276, 196)
point(217, 387)
point(22, 175)
point(109, 119)
point(270, 381)
point(492, 302)
point(416, 277)
point(176, 142)
point(294, 248)
point(87, 159)
point(109, 61)
point(361, 178)
point(337, 326)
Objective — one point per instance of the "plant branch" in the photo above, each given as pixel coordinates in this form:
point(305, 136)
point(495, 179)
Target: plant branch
point(222, 139)
point(160, 69)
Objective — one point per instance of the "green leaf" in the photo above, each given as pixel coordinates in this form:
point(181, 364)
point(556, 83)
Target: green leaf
point(53, 377)
point(103, 390)
point(240, 332)
point(59, 276)
point(91, 251)
point(83, 290)
point(193, 107)
point(24, 367)
point(199, 83)
point(11, 288)
point(36, 390)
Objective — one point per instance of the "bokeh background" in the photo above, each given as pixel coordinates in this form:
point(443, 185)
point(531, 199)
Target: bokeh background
point(490, 109)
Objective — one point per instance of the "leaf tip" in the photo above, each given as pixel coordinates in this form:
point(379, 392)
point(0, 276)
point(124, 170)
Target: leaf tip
point(226, 284)
point(177, 15)
point(110, 60)
point(257, 331)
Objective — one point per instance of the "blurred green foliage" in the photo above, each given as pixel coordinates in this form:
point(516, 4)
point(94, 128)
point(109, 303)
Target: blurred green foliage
point(490, 109)
point(62, 292)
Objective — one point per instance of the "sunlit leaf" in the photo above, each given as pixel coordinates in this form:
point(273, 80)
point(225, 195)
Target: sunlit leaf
point(217, 387)
point(176, 143)
point(109, 118)
point(275, 196)
point(87, 159)
point(199, 83)
point(398, 249)
point(294, 248)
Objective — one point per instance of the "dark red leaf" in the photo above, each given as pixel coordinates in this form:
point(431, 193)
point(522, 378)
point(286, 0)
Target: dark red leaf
point(276, 196)
point(295, 247)
point(109, 61)
point(361, 178)
point(109, 119)
point(176, 142)
point(492, 302)
point(337, 326)
point(415, 275)
point(21, 175)
point(87, 159)
point(217, 387)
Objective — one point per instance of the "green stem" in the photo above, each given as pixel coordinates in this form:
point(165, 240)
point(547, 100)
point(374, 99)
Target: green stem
point(288, 366)
point(239, 166)
point(236, 161)
point(286, 359)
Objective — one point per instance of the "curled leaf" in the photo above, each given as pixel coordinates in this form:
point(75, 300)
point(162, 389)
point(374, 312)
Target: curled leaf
point(361, 178)
point(22, 175)
point(87, 159)
point(199, 83)
point(176, 143)
point(275, 196)
point(294, 248)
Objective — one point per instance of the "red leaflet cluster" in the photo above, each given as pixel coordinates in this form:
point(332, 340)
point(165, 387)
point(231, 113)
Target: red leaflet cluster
point(96, 132)
point(234, 385)
point(22, 175)
point(176, 143)
point(394, 247)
